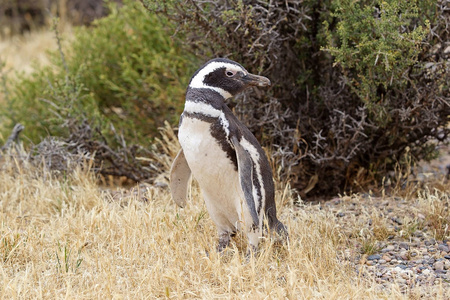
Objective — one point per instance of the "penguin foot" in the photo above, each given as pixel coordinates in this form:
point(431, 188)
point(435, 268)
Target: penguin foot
point(224, 241)
point(282, 231)
point(252, 251)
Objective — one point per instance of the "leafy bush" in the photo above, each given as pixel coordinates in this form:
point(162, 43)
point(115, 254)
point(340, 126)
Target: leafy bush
point(375, 47)
point(105, 96)
point(356, 84)
point(124, 70)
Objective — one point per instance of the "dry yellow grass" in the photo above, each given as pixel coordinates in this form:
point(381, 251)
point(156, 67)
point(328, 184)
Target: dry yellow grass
point(19, 53)
point(68, 238)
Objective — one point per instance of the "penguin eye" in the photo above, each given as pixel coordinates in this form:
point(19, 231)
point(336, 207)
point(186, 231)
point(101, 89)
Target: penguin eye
point(230, 73)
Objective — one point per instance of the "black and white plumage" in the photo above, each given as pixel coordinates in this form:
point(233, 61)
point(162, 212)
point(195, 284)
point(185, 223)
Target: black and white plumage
point(223, 155)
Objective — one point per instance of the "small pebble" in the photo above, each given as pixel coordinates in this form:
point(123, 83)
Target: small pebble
point(401, 281)
point(397, 220)
point(443, 247)
point(388, 248)
point(405, 275)
point(374, 257)
point(418, 233)
point(439, 265)
point(386, 258)
point(430, 242)
point(404, 255)
point(404, 246)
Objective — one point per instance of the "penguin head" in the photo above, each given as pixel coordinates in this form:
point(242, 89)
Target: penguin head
point(226, 77)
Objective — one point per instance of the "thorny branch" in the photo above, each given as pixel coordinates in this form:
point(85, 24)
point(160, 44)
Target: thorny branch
point(310, 117)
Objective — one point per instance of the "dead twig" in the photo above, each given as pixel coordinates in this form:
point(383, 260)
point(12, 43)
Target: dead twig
point(12, 139)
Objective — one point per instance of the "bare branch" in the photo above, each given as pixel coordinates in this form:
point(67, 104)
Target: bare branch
point(18, 128)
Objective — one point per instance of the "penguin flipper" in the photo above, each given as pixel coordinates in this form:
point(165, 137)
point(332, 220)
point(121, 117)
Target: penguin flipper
point(180, 173)
point(245, 169)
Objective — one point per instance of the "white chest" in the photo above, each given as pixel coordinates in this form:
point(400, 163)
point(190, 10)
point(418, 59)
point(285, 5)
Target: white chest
point(214, 171)
point(202, 151)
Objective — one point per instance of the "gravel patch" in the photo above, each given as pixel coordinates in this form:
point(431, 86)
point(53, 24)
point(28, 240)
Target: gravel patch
point(405, 253)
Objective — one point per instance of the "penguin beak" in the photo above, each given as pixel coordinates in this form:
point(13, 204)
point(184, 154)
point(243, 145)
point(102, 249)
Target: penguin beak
point(255, 80)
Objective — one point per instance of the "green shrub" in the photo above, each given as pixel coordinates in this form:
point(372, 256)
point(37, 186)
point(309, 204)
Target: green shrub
point(356, 84)
point(376, 45)
point(386, 53)
point(125, 70)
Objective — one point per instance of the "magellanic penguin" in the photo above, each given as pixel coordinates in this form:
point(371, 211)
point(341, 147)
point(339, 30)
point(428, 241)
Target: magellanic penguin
point(222, 154)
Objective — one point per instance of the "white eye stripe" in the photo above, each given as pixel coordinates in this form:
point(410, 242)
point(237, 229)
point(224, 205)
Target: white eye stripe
point(198, 80)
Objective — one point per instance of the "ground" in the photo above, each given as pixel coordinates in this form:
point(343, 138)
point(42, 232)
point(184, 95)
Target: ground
point(64, 235)
point(68, 237)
